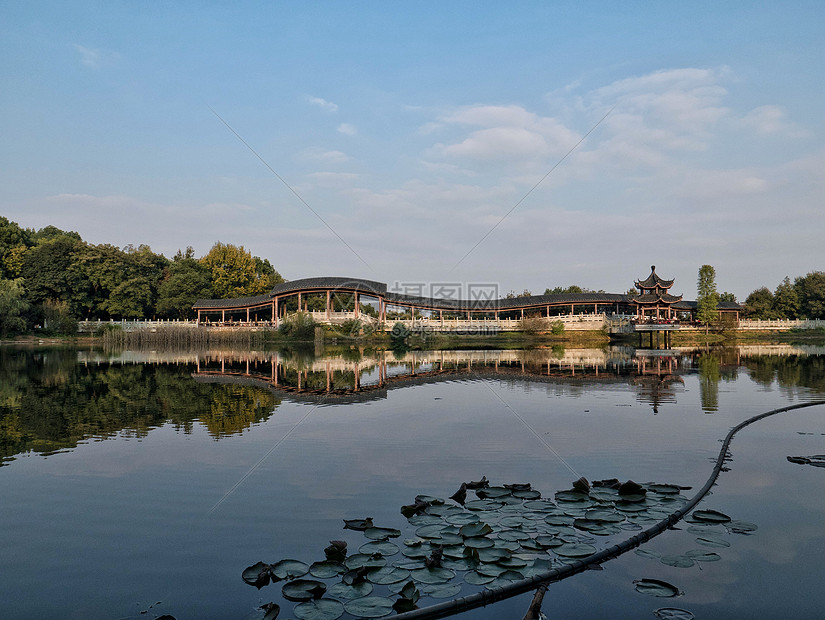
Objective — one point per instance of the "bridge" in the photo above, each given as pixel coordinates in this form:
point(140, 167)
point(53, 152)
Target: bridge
point(336, 300)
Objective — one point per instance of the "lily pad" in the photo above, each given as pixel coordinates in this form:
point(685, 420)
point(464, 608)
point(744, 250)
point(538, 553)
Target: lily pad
point(321, 609)
point(344, 591)
point(574, 550)
point(505, 578)
point(471, 530)
point(447, 590)
point(382, 547)
point(741, 527)
point(493, 492)
point(673, 613)
point(703, 556)
point(289, 569)
point(432, 575)
point(362, 559)
point(462, 518)
point(430, 531)
point(678, 561)
point(381, 533)
point(655, 587)
point(303, 590)
point(326, 569)
point(479, 543)
point(369, 607)
point(387, 575)
point(710, 540)
point(710, 516)
point(477, 579)
point(258, 575)
point(665, 489)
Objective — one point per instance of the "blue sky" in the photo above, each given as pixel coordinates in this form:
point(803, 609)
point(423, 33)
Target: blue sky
point(412, 129)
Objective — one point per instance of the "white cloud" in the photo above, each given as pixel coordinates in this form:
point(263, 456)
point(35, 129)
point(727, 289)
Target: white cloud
point(508, 133)
point(770, 119)
point(325, 105)
point(347, 129)
point(96, 58)
point(327, 157)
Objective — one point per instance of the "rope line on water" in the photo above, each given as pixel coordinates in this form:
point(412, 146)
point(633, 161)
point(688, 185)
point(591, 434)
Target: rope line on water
point(493, 595)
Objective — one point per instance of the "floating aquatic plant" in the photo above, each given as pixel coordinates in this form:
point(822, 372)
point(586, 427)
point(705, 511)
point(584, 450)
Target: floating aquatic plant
point(486, 536)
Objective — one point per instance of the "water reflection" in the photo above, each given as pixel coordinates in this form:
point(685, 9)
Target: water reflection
point(52, 399)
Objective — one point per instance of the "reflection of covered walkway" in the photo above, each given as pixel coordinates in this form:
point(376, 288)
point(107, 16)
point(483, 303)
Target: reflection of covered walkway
point(338, 379)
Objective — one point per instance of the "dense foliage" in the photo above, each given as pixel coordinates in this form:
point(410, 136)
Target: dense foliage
point(804, 298)
point(51, 278)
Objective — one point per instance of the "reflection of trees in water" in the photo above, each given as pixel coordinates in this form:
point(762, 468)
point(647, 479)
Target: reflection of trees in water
point(709, 377)
point(234, 408)
point(49, 402)
point(789, 372)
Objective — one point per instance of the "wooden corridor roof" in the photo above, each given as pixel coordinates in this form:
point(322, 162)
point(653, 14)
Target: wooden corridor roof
point(379, 290)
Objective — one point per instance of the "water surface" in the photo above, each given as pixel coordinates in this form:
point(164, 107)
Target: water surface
point(142, 483)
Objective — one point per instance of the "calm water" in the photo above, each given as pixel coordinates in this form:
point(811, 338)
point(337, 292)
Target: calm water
point(143, 483)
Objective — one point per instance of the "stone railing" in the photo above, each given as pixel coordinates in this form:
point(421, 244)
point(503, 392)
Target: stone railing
point(132, 324)
point(781, 324)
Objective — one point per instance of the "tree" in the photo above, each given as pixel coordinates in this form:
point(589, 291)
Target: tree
point(707, 299)
point(186, 280)
point(514, 295)
point(759, 304)
point(236, 273)
point(12, 306)
point(563, 290)
point(51, 273)
point(786, 300)
point(14, 241)
point(811, 292)
point(727, 297)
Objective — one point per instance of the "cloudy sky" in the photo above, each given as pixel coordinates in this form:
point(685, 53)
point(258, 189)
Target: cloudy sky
point(526, 144)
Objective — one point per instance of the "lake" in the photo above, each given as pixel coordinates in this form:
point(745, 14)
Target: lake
point(141, 483)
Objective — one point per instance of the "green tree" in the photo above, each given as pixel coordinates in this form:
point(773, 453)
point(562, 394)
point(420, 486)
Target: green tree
point(727, 297)
point(563, 290)
point(51, 273)
point(186, 281)
point(266, 272)
point(137, 293)
point(234, 272)
point(14, 241)
point(811, 292)
point(759, 304)
point(786, 300)
point(707, 299)
point(12, 307)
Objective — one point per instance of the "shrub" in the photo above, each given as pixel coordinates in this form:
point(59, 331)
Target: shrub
point(300, 326)
point(557, 328)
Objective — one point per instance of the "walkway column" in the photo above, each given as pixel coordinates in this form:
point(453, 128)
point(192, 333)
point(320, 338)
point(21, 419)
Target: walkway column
point(275, 315)
point(300, 307)
point(329, 293)
point(355, 297)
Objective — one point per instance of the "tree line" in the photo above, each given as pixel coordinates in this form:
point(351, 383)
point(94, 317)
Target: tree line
point(51, 278)
point(804, 298)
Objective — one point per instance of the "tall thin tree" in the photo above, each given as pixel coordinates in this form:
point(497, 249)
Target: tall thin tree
point(707, 300)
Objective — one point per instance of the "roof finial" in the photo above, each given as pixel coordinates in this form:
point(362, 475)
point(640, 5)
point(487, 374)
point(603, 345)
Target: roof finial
point(652, 268)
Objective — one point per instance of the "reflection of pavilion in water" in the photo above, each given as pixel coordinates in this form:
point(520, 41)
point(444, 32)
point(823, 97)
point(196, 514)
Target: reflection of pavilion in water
point(656, 377)
point(354, 376)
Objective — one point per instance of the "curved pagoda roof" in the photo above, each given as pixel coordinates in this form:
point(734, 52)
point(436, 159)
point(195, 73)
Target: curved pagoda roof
point(654, 281)
point(655, 298)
